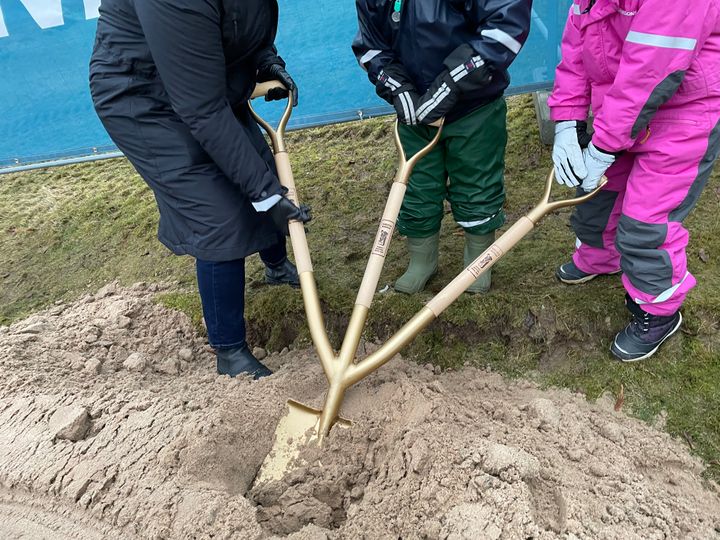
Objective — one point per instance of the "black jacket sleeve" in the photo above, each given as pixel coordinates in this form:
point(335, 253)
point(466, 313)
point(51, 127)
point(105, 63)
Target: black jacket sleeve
point(371, 46)
point(269, 56)
point(502, 29)
point(185, 41)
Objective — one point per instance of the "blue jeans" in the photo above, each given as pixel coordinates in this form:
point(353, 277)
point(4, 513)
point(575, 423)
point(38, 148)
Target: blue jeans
point(222, 291)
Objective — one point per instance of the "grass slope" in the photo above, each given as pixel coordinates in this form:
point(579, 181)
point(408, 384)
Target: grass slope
point(67, 231)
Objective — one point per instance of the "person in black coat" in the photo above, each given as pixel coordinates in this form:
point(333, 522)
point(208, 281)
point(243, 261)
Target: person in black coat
point(171, 80)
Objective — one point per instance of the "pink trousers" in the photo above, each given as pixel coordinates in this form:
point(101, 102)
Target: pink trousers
point(636, 223)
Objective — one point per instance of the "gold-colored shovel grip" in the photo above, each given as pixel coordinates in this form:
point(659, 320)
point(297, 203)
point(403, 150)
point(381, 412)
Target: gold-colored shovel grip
point(277, 135)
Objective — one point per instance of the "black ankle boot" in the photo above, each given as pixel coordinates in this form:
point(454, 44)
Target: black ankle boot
point(283, 273)
point(239, 360)
point(643, 336)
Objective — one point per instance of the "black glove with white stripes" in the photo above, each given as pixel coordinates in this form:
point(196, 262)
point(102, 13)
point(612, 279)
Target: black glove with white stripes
point(465, 71)
point(395, 87)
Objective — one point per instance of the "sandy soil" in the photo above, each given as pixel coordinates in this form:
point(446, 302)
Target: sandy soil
point(113, 424)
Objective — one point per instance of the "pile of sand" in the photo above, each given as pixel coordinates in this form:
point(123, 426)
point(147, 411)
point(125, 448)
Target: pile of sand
point(113, 424)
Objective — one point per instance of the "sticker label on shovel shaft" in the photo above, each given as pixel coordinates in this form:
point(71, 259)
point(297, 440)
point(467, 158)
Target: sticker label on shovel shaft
point(292, 195)
point(382, 240)
point(493, 254)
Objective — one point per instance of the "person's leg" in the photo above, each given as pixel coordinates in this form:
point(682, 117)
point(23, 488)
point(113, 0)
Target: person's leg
point(222, 292)
point(422, 209)
point(279, 270)
point(476, 164)
point(665, 184)
point(595, 225)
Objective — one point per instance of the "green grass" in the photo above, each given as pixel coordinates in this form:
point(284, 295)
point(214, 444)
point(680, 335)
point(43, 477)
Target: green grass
point(67, 231)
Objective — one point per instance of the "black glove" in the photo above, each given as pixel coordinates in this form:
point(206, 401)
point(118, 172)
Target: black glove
point(285, 210)
point(464, 70)
point(274, 70)
point(395, 87)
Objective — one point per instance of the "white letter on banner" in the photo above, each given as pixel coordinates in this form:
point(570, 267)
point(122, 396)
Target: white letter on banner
point(47, 13)
point(3, 28)
point(92, 9)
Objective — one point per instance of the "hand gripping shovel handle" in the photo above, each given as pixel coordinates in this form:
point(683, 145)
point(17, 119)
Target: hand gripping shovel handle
point(262, 89)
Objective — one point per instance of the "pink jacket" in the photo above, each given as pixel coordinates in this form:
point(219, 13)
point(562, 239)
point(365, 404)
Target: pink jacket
point(638, 60)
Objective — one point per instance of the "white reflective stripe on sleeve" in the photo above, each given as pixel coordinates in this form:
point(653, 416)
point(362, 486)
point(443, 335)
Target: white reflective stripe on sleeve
point(461, 71)
point(578, 243)
point(411, 107)
point(665, 42)
point(665, 295)
point(392, 83)
point(406, 108)
point(457, 70)
point(369, 56)
point(576, 10)
point(459, 75)
point(438, 97)
point(267, 204)
point(470, 224)
point(503, 37)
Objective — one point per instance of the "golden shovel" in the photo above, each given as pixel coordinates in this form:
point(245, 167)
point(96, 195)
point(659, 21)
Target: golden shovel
point(303, 424)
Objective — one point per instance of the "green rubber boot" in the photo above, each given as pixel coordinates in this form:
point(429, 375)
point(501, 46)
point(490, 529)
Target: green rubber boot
point(423, 264)
point(475, 245)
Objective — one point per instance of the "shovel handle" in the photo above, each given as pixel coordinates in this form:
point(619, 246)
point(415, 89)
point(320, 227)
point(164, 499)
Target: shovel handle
point(277, 135)
point(546, 206)
point(262, 89)
point(405, 165)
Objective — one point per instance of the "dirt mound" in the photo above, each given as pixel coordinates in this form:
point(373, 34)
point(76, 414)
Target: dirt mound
point(113, 424)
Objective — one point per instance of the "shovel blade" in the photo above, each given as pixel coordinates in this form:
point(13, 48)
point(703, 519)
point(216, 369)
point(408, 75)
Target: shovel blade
point(298, 428)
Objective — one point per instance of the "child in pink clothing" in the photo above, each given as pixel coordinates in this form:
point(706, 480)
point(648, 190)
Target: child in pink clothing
point(650, 70)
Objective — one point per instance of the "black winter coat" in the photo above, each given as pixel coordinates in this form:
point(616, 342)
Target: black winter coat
point(427, 31)
point(170, 80)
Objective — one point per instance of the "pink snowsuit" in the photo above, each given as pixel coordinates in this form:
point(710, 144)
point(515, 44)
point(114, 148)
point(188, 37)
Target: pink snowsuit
point(650, 69)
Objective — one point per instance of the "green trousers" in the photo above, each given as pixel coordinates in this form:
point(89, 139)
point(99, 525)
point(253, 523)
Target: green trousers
point(466, 168)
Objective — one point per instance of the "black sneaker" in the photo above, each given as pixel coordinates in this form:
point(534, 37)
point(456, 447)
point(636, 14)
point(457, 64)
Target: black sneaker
point(643, 336)
point(572, 275)
point(284, 273)
point(239, 360)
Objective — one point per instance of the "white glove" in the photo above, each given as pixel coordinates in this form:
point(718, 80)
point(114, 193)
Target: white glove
point(567, 155)
point(597, 163)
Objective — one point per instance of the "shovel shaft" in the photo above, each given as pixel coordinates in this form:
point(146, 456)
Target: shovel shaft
point(381, 245)
point(297, 230)
point(331, 409)
point(440, 303)
point(357, 372)
point(480, 265)
point(316, 323)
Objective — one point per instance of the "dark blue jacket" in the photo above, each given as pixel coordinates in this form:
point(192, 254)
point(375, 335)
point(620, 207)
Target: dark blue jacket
point(170, 80)
point(429, 30)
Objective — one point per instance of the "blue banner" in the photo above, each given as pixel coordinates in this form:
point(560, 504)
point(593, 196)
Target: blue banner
point(45, 45)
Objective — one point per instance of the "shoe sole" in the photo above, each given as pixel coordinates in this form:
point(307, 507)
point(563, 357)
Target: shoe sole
point(648, 355)
point(587, 278)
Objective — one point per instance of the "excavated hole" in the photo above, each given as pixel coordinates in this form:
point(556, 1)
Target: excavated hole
point(318, 488)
